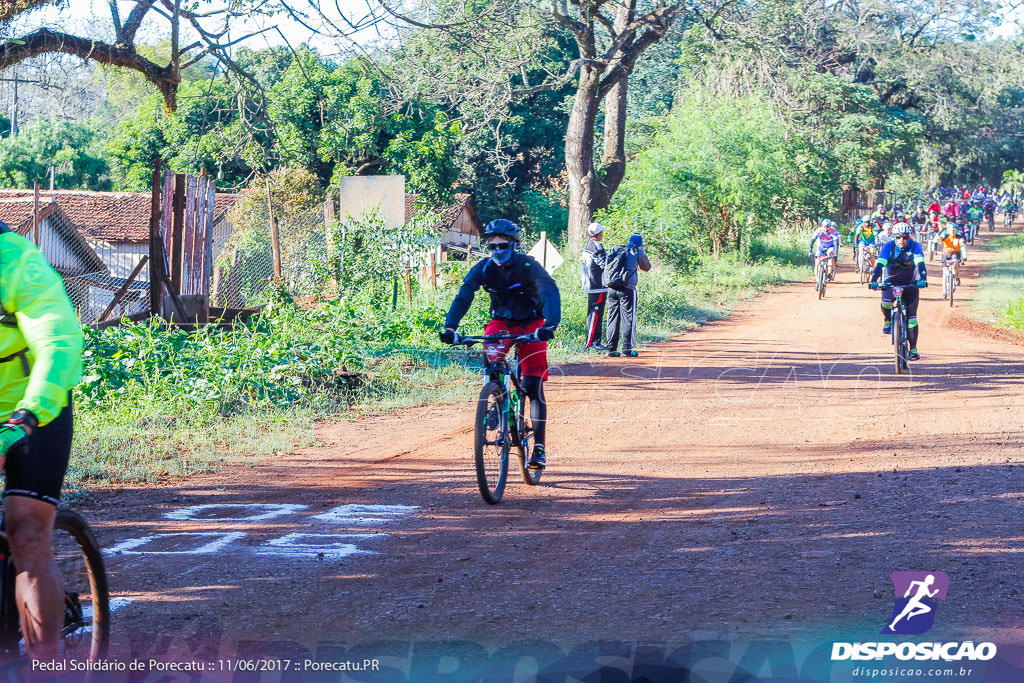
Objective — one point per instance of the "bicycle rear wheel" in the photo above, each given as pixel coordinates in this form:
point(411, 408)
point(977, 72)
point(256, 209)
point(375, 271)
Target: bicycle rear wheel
point(524, 440)
point(492, 443)
point(86, 629)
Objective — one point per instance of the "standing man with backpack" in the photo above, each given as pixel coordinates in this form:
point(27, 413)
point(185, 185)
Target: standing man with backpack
point(620, 277)
point(593, 261)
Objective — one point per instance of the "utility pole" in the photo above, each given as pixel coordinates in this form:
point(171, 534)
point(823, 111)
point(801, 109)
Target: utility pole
point(14, 101)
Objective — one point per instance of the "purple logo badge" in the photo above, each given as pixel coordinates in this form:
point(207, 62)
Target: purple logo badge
point(916, 596)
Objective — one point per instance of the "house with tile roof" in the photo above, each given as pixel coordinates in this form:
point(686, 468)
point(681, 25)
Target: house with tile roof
point(116, 224)
point(57, 237)
point(460, 226)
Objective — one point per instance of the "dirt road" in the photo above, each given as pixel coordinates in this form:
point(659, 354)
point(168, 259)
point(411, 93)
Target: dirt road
point(755, 481)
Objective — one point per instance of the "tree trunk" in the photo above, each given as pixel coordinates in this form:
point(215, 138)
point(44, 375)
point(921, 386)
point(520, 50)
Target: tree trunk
point(613, 163)
point(579, 156)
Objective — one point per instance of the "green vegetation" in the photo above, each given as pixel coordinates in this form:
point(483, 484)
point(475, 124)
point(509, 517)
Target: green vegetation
point(999, 291)
point(158, 403)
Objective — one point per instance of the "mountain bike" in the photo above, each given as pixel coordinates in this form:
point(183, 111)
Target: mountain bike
point(1007, 220)
point(972, 231)
point(948, 279)
point(991, 218)
point(502, 417)
point(86, 628)
point(865, 262)
point(900, 338)
point(821, 275)
point(934, 245)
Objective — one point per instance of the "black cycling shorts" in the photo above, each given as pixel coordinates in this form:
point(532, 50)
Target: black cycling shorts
point(38, 471)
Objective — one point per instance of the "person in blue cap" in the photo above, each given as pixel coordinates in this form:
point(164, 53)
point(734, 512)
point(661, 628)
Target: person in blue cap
point(620, 276)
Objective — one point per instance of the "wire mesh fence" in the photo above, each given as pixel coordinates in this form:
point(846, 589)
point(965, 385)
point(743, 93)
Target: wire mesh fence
point(245, 269)
point(95, 271)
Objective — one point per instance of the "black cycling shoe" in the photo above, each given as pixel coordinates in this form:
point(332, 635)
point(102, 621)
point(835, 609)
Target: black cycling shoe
point(538, 460)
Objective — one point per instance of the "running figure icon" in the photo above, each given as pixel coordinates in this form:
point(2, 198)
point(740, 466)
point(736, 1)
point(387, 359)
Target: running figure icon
point(915, 606)
point(917, 596)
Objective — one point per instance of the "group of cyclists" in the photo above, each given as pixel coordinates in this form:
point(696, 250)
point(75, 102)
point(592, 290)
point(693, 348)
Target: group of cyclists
point(885, 247)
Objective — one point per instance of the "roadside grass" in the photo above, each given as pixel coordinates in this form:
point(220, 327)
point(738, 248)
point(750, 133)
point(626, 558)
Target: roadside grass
point(160, 405)
point(999, 291)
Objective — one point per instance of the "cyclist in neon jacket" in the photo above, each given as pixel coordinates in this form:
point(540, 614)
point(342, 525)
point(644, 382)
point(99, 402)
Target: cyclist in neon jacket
point(902, 261)
point(40, 362)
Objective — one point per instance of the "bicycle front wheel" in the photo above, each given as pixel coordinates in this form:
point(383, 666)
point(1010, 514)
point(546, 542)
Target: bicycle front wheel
point(86, 628)
point(822, 281)
point(899, 339)
point(492, 442)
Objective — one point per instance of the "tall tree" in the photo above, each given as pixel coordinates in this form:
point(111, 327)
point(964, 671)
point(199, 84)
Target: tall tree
point(499, 43)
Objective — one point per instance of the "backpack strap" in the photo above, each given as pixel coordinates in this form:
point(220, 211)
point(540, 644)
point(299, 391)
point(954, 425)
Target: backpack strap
point(22, 355)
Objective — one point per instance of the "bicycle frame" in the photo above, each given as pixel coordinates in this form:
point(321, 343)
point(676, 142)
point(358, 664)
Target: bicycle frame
point(899, 333)
point(505, 375)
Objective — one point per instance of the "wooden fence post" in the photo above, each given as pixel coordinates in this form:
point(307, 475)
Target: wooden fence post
point(35, 213)
point(155, 245)
point(433, 270)
point(332, 249)
point(177, 230)
point(408, 282)
point(275, 240)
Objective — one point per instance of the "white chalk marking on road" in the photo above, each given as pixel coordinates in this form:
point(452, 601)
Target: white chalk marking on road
point(115, 604)
point(365, 515)
point(219, 539)
point(256, 512)
point(321, 546)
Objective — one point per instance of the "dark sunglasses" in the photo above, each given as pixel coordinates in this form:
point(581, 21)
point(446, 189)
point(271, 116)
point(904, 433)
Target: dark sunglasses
point(496, 246)
point(903, 237)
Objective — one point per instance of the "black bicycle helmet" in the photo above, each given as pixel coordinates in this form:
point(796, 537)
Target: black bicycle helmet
point(503, 227)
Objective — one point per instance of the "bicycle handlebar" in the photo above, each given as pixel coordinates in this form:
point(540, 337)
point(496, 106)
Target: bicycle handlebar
point(485, 338)
point(912, 285)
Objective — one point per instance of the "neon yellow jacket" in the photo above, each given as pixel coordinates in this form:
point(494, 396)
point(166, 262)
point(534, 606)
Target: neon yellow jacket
point(40, 337)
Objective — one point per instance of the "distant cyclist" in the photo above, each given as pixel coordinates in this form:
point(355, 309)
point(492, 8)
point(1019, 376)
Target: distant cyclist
point(828, 241)
point(902, 263)
point(865, 239)
point(954, 249)
point(884, 234)
point(40, 362)
point(524, 301)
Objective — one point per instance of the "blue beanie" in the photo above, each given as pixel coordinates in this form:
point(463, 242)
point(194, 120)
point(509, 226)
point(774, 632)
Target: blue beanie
point(635, 240)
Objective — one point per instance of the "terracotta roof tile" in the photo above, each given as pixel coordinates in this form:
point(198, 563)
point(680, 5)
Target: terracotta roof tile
point(17, 213)
point(109, 216)
point(448, 216)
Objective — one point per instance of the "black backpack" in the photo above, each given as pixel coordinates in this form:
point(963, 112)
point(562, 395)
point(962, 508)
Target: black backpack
point(616, 270)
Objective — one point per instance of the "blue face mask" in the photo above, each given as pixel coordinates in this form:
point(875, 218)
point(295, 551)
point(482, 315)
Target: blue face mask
point(501, 256)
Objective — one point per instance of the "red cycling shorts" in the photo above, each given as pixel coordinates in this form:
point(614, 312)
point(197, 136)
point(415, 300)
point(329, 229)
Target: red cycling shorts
point(533, 356)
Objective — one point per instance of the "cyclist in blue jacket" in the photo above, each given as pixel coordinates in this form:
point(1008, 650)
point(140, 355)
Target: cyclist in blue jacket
point(902, 260)
point(524, 301)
